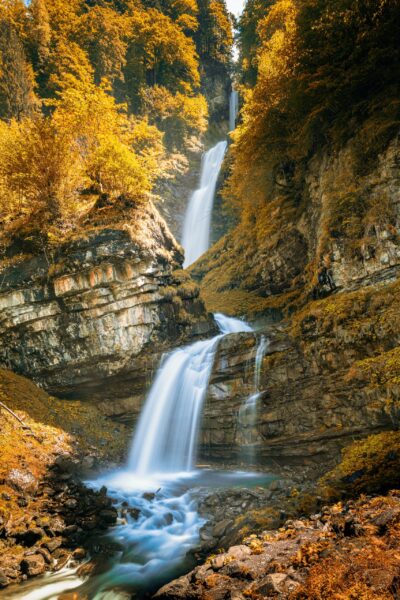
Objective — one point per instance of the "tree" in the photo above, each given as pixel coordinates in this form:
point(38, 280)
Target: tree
point(249, 38)
point(159, 54)
point(103, 34)
point(40, 34)
point(183, 12)
point(214, 37)
point(39, 174)
point(16, 75)
point(179, 115)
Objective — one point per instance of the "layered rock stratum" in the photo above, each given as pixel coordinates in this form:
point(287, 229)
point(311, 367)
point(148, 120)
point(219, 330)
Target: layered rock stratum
point(92, 319)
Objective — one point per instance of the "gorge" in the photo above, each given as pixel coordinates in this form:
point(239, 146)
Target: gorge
point(199, 300)
point(160, 476)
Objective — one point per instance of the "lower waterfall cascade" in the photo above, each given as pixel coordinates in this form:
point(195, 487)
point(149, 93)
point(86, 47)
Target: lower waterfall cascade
point(249, 410)
point(161, 524)
point(166, 435)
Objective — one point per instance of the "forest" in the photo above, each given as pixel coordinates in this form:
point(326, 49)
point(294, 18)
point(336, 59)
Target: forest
point(199, 299)
point(92, 97)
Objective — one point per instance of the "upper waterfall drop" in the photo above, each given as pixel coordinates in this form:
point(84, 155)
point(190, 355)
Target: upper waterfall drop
point(196, 229)
point(166, 436)
point(233, 109)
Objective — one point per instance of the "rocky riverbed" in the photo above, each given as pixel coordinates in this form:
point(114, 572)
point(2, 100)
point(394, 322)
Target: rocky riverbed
point(57, 531)
point(343, 551)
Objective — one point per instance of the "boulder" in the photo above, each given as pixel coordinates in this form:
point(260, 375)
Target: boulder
point(33, 565)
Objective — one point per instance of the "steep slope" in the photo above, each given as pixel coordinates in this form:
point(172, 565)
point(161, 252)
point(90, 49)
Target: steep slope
point(45, 512)
point(92, 318)
point(315, 259)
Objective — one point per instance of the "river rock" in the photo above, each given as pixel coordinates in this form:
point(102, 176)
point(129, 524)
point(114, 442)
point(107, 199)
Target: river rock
point(272, 584)
point(53, 545)
point(108, 516)
point(4, 580)
point(179, 589)
point(33, 565)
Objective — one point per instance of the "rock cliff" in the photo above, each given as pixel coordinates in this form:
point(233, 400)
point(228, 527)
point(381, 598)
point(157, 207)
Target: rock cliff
point(329, 374)
point(92, 319)
point(339, 215)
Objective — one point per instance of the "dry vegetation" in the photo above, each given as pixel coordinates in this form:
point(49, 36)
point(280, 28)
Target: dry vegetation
point(53, 428)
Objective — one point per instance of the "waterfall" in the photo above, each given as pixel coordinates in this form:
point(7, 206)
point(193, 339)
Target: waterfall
point(233, 109)
point(248, 411)
point(196, 229)
point(166, 436)
point(261, 350)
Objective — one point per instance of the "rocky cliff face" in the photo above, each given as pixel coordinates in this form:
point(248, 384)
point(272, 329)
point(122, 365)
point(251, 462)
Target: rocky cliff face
point(342, 217)
point(174, 191)
point(92, 319)
point(314, 399)
point(329, 374)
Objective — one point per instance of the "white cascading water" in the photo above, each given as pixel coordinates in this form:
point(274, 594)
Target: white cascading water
point(196, 229)
point(161, 527)
point(166, 435)
point(233, 109)
point(261, 350)
point(248, 411)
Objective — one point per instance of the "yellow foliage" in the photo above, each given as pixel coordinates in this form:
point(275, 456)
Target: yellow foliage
point(380, 370)
point(40, 172)
point(177, 114)
point(116, 171)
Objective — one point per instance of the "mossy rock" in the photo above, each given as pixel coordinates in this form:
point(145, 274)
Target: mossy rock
point(368, 466)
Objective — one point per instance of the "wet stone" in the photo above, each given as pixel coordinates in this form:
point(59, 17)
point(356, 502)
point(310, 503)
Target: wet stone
point(52, 545)
point(79, 553)
point(109, 515)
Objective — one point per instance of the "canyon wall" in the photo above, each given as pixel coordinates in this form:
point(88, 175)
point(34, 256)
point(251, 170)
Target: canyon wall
point(330, 374)
point(91, 320)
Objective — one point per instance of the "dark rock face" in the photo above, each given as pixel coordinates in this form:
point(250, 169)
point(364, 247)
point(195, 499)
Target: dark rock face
point(175, 191)
point(92, 319)
point(308, 409)
point(216, 85)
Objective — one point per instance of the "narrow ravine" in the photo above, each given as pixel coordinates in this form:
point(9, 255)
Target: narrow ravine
point(156, 493)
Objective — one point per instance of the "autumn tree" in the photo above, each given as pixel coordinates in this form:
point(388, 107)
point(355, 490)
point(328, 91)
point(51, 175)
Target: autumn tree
point(249, 38)
point(214, 37)
point(40, 32)
point(16, 75)
point(183, 12)
point(40, 176)
point(104, 35)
